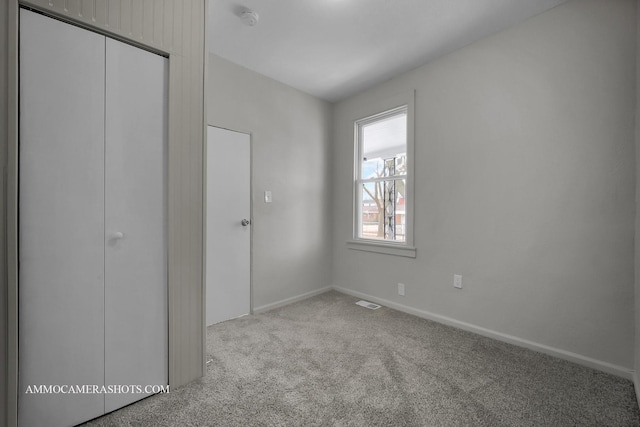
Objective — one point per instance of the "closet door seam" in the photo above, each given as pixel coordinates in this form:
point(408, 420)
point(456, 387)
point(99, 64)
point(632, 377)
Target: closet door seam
point(104, 224)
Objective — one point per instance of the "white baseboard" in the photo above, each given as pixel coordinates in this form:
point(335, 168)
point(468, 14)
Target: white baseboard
point(562, 354)
point(291, 300)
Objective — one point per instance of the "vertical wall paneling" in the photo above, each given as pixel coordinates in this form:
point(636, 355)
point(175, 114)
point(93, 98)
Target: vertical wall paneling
point(177, 28)
point(101, 11)
point(10, 204)
point(3, 155)
point(4, 93)
point(125, 18)
point(136, 19)
point(113, 15)
point(203, 297)
point(636, 365)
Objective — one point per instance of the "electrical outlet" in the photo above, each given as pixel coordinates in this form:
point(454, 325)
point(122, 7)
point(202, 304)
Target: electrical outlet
point(401, 289)
point(457, 281)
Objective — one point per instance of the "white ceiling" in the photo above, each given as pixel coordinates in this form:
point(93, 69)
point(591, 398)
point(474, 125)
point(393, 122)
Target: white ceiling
point(335, 48)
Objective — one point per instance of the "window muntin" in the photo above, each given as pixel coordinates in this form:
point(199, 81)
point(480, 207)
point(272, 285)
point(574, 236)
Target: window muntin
point(381, 173)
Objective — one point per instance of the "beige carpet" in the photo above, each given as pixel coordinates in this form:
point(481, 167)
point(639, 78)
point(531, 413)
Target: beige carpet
point(328, 362)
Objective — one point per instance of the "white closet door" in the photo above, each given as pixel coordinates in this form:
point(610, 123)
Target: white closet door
point(61, 236)
point(136, 312)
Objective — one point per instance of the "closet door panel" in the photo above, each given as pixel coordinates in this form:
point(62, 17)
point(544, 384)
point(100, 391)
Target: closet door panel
point(136, 316)
point(61, 213)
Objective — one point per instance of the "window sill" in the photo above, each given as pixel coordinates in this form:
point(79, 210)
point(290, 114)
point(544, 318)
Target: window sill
point(382, 248)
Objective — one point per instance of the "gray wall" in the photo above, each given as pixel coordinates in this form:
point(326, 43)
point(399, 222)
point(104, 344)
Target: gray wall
point(291, 157)
point(525, 184)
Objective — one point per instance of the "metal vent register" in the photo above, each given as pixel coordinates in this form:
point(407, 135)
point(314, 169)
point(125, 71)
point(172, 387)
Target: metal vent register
point(369, 305)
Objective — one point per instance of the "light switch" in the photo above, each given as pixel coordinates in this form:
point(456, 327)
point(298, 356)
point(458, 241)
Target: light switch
point(457, 281)
point(267, 197)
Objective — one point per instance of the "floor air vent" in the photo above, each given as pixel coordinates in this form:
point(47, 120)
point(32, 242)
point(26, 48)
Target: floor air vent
point(369, 305)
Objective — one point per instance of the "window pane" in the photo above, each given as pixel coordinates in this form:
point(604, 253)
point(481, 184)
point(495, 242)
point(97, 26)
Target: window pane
point(384, 147)
point(383, 210)
point(372, 168)
point(382, 168)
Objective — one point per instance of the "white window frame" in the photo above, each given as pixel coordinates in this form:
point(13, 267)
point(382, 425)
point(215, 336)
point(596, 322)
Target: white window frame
point(374, 112)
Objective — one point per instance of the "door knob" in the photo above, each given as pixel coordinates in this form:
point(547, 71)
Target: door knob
point(118, 235)
point(245, 222)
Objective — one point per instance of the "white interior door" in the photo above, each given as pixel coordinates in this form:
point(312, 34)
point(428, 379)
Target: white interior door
point(136, 312)
point(61, 235)
point(228, 240)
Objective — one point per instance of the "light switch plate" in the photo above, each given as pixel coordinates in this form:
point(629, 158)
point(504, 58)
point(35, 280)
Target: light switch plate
point(401, 289)
point(267, 197)
point(457, 281)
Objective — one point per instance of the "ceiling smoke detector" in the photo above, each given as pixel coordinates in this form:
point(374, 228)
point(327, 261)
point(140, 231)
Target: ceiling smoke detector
point(249, 17)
